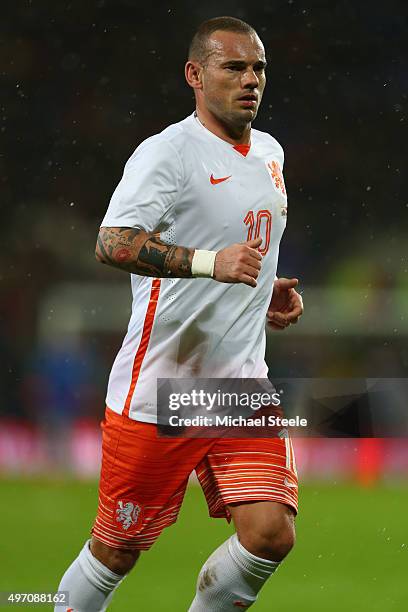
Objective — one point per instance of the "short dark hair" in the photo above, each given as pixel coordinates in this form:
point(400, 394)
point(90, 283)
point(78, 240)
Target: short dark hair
point(198, 49)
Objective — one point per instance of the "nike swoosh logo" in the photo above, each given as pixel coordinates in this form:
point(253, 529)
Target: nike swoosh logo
point(215, 181)
point(289, 484)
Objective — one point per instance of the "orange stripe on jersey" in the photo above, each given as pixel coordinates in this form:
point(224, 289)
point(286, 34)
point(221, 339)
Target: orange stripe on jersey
point(144, 341)
point(242, 148)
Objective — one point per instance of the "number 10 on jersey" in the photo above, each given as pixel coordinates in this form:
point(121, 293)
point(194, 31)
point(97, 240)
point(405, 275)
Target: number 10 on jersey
point(262, 224)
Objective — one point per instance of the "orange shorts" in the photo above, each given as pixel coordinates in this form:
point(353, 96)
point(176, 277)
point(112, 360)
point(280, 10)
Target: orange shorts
point(144, 478)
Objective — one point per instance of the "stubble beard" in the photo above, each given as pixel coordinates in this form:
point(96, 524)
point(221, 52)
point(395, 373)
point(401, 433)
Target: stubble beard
point(234, 120)
point(240, 120)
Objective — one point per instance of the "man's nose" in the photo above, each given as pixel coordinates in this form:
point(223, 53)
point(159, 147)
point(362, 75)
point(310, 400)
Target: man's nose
point(250, 79)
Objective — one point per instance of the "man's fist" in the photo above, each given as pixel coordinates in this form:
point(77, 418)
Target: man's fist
point(239, 263)
point(286, 304)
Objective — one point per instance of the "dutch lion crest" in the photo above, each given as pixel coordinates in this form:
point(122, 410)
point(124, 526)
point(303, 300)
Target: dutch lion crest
point(277, 176)
point(127, 513)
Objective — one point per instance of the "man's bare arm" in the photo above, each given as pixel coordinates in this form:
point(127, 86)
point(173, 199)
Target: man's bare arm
point(138, 252)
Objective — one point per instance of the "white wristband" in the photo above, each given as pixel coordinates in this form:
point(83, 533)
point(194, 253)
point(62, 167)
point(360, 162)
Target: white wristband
point(203, 263)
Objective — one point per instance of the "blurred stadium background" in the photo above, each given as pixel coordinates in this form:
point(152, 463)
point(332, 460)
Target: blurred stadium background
point(82, 84)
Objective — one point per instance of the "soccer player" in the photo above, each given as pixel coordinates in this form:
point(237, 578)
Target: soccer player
point(214, 184)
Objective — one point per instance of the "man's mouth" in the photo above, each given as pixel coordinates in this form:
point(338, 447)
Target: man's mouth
point(249, 100)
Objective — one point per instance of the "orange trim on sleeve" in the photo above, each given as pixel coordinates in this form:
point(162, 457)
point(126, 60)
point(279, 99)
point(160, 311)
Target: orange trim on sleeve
point(144, 341)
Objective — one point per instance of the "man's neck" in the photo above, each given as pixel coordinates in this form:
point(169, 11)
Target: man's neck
point(233, 135)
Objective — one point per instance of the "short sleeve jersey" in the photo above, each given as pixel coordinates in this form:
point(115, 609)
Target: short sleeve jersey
point(198, 191)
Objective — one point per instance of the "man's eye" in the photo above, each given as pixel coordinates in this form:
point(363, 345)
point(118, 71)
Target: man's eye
point(236, 68)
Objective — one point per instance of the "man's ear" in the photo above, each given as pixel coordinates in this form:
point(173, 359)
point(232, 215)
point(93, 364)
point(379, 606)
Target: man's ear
point(193, 72)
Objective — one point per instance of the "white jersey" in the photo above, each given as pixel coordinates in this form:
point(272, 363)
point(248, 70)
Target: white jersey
point(198, 191)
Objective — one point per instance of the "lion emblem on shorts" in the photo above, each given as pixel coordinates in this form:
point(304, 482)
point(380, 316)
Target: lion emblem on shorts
point(128, 514)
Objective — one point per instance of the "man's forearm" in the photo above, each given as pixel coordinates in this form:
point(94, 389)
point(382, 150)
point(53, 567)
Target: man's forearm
point(138, 252)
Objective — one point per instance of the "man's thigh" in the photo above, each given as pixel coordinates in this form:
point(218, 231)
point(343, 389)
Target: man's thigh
point(143, 481)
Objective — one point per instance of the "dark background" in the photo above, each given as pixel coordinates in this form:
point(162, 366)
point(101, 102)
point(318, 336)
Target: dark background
point(83, 83)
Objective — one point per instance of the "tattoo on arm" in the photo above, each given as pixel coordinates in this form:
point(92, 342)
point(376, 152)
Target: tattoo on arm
point(136, 251)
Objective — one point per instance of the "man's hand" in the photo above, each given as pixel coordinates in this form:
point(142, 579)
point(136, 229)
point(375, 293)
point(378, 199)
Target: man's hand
point(239, 263)
point(286, 304)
